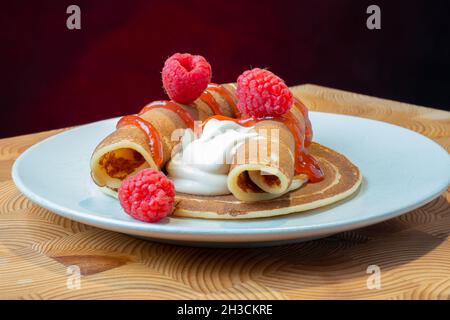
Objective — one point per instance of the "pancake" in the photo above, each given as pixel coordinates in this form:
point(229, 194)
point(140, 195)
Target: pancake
point(265, 161)
point(342, 179)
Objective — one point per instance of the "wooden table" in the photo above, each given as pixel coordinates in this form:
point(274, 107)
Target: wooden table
point(413, 250)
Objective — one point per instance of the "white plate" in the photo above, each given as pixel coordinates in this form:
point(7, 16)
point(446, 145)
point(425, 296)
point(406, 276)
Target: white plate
point(402, 170)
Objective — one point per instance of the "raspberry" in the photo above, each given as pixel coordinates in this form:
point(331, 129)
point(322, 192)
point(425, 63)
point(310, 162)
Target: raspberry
point(185, 77)
point(261, 94)
point(147, 196)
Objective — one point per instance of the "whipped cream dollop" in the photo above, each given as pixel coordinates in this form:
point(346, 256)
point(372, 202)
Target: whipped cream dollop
point(202, 164)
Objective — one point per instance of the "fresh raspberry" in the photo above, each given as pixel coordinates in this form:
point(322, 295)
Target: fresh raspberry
point(261, 94)
point(185, 77)
point(147, 196)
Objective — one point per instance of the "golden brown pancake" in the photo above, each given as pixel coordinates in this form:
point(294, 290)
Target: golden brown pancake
point(342, 179)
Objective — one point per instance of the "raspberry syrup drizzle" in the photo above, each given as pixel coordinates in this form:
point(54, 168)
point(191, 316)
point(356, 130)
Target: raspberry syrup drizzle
point(222, 91)
point(308, 128)
point(150, 132)
point(172, 106)
point(304, 162)
point(208, 98)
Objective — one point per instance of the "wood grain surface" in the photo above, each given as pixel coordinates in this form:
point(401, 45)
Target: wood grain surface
point(38, 249)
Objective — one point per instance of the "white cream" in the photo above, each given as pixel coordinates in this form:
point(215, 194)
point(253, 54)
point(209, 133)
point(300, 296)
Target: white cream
point(201, 166)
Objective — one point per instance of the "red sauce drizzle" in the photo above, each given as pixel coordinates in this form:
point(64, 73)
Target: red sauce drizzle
point(151, 134)
point(308, 128)
point(304, 163)
point(172, 106)
point(208, 98)
point(226, 95)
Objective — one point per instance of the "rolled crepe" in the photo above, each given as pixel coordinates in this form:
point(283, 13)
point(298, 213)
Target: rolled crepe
point(272, 172)
point(127, 150)
point(263, 167)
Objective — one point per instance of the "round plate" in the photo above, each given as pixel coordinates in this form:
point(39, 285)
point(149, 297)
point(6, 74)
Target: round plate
point(401, 170)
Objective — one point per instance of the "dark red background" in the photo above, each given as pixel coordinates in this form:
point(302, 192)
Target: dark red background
point(54, 77)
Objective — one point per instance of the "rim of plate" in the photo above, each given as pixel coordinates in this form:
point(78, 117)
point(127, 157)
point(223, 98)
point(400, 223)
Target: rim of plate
point(167, 229)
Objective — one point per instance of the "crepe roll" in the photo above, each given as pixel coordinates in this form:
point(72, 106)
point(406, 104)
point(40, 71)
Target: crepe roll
point(263, 167)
